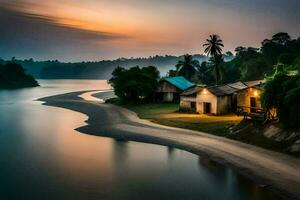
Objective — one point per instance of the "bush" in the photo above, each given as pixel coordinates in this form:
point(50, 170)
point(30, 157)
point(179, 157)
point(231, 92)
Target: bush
point(282, 92)
point(291, 108)
point(114, 100)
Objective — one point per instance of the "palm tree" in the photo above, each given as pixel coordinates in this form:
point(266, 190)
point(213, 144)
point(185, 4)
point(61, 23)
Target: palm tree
point(214, 49)
point(187, 67)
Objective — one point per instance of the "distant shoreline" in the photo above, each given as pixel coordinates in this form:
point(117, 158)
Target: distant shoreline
point(14, 76)
point(280, 173)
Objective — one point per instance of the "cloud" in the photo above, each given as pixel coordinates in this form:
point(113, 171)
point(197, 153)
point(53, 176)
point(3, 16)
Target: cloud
point(41, 37)
point(72, 30)
point(13, 19)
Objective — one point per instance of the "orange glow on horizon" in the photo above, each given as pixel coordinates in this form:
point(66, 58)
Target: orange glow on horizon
point(140, 28)
point(108, 20)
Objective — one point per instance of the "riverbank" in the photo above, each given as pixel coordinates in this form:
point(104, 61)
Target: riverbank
point(229, 126)
point(168, 114)
point(278, 172)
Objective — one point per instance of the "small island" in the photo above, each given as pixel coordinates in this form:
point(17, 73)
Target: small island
point(13, 76)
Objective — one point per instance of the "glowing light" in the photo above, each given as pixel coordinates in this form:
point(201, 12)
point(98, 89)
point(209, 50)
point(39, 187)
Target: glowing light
point(204, 91)
point(255, 93)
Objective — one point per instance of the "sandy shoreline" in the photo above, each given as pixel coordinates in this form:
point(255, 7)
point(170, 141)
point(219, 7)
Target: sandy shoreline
point(277, 171)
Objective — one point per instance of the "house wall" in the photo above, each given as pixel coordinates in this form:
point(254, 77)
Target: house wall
point(185, 102)
point(243, 98)
point(224, 105)
point(164, 86)
point(167, 92)
point(206, 96)
point(168, 96)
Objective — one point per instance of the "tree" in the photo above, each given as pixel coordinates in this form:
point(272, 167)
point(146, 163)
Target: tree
point(279, 43)
point(288, 58)
point(240, 49)
point(216, 65)
point(214, 49)
point(252, 63)
point(296, 64)
point(281, 38)
point(253, 69)
point(232, 71)
point(249, 64)
point(229, 54)
point(171, 73)
point(187, 67)
point(135, 84)
point(13, 76)
point(292, 108)
point(204, 74)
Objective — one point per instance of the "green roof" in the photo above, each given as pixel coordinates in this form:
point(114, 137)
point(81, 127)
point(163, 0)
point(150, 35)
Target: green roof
point(180, 82)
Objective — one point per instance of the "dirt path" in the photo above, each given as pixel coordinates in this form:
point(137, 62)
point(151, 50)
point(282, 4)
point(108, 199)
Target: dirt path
point(277, 171)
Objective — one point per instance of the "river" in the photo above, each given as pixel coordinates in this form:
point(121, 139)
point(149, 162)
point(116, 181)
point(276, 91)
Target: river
point(43, 157)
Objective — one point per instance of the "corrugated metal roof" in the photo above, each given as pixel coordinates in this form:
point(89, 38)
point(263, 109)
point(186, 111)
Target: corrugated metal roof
point(192, 90)
point(256, 83)
point(222, 90)
point(227, 89)
point(238, 85)
point(231, 88)
point(180, 82)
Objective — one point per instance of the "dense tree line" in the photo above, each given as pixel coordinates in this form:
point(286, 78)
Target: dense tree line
point(13, 76)
point(54, 69)
point(256, 63)
point(248, 64)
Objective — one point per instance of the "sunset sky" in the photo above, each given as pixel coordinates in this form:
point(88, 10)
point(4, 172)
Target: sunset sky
point(75, 30)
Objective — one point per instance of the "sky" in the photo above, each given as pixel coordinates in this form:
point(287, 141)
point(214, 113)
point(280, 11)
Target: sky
point(83, 30)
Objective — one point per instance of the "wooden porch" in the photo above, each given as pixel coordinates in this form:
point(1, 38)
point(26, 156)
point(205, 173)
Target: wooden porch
point(254, 113)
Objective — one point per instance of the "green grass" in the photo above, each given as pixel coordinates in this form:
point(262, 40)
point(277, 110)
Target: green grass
point(217, 125)
point(152, 110)
point(167, 114)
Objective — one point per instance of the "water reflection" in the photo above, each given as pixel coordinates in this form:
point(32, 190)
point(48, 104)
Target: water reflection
point(120, 156)
point(43, 157)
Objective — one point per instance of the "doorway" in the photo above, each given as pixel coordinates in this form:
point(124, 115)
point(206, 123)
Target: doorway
point(206, 108)
point(252, 104)
point(193, 106)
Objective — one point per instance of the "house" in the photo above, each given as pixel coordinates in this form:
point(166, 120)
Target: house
point(216, 100)
point(169, 89)
point(188, 99)
point(221, 99)
point(248, 99)
point(207, 100)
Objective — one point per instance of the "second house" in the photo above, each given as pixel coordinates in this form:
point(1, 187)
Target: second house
point(222, 99)
point(169, 89)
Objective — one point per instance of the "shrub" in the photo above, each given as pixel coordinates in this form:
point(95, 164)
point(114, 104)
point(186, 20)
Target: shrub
point(282, 92)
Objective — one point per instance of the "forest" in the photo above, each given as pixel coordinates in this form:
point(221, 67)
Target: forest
point(54, 69)
point(249, 63)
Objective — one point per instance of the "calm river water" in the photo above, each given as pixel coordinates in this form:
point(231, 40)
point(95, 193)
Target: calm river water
point(43, 157)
